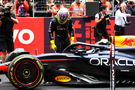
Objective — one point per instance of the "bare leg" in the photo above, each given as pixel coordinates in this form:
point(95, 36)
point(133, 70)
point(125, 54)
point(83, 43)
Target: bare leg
point(3, 56)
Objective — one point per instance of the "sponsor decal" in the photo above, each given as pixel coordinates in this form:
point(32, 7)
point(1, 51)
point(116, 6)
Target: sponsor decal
point(29, 34)
point(63, 78)
point(106, 62)
point(124, 41)
point(21, 34)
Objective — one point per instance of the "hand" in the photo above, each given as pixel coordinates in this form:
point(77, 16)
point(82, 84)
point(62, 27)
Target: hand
point(1, 13)
point(102, 17)
point(128, 15)
point(71, 40)
point(12, 18)
point(107, 18)
point(53, 46)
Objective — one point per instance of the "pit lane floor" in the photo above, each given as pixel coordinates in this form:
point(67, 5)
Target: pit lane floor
point(6, 85)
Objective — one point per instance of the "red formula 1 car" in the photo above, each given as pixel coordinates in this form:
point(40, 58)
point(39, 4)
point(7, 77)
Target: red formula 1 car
point(76, 66)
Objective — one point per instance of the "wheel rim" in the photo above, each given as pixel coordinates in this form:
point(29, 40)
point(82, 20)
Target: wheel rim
point(26, 72)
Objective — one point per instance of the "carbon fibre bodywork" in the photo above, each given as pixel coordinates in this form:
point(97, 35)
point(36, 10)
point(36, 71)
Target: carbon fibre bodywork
point(75, 66)
point(89, 67)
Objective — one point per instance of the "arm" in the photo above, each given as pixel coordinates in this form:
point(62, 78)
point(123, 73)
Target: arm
point(70, 10)
point(26, 5)
point(1, 13)
point(71, 30)
point(97, 20)
point(51, 30)
point(51, 35)
point(123, 15)
point(16, 3)
point(84, 8)
point(14, 19)
point(54, 10)
point(0, 23)
point(119, 14)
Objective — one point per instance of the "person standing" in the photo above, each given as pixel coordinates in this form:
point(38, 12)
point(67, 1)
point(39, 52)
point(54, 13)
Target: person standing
point(57, 6)
point(107, 4)
point(7, 21)
point(101, 20)
point(77, 9)
point(61, 31)
point(130, 8)
point(49, 5)
point(22, 8)
point(121, 20)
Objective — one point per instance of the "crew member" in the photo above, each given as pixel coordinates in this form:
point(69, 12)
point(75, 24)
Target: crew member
point(7, 21)
point(77, 9)
point(22, 8)
point(107, 4)
point(57, 6)
point(101, 20)
point(61, 31)
point(121, 20)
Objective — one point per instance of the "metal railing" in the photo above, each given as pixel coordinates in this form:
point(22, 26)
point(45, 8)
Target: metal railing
point(40, 6)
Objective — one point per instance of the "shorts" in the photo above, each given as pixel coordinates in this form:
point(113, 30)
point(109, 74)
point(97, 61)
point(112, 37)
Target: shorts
point(6, 44)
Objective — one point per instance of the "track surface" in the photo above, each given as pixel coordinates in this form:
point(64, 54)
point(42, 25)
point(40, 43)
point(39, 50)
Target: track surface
point(5, 85)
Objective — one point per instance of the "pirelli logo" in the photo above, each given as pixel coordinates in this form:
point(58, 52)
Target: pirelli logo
point(63, 78)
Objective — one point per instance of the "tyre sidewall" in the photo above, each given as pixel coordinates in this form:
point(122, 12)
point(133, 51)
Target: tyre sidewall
point(13, 65)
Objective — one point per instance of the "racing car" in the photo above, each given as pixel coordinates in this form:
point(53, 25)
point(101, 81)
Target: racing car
point(75, 66)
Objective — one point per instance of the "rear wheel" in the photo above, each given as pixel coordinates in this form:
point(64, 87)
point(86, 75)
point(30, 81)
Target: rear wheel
point(26, 72)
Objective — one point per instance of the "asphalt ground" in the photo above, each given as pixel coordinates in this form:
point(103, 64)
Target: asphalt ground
point(6, 85)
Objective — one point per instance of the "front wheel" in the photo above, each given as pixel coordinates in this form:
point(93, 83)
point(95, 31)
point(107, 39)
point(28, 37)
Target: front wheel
point(25, 72)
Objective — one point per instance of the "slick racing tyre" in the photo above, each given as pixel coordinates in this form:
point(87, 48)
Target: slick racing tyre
point(14, 54)
point(25, 72)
